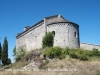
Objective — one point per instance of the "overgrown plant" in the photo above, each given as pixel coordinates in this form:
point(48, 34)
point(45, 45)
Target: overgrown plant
point(48, 40)
point(55, 52)
point(82, 54)
point(20, 53)
point(14, 51)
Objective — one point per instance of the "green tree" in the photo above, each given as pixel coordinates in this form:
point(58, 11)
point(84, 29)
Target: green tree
point(5, 59)
point(47, 40)
point(8, 61)
point(14, 51)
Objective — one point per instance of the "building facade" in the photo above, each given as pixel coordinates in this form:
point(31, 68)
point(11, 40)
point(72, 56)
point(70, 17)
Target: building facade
point(66, 33)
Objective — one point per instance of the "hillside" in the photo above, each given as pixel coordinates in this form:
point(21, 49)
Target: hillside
point(32, 62)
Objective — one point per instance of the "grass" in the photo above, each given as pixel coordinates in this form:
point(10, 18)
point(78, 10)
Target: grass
point(20, 64)
point(35, 73)
point(89, 67)
point(83, 67)
point(49, 73)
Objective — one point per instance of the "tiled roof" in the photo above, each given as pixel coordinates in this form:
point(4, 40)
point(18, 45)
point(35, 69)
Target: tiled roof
point(48, 20)
point(54, 19)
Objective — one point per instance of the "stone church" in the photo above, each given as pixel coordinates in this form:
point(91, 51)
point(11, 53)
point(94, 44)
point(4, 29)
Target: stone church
point(66, 34)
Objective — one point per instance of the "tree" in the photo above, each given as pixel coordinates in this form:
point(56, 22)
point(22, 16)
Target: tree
point(47, 40)
point(8, 61)
point(5, 59)
point(14, 51)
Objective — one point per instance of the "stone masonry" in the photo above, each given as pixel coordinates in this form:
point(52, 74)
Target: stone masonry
point(66, 34)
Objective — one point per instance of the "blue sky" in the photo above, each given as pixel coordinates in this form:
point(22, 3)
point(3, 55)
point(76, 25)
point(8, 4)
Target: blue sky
point(16, 14)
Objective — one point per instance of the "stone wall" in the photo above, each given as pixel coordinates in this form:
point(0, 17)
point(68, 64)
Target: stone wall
point(32, 38)
point(66, 34)
point(89, 46)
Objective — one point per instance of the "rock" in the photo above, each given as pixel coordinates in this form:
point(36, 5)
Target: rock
point(34, 65)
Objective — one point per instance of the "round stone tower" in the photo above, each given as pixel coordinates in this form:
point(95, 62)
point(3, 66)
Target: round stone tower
point(66, 34)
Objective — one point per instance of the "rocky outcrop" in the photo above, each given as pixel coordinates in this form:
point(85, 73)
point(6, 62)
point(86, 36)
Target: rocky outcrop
point(35, 64)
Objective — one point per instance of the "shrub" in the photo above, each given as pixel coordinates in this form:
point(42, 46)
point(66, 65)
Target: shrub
point(67, 51)
point(96, 52)
point(47, 40)
point(81, 54)
point(20, 53)
point(55, 52)
point(78, 53)
point(83, 57)
point(74, 55)
point(89, 53)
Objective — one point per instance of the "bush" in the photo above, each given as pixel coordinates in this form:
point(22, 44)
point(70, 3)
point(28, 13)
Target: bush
point(83, 57)
point(96, 52)
point(89, 53)
point(47, 40)
point(55, 52)
point(78, 53)
point(74, 55)
point(20, 53)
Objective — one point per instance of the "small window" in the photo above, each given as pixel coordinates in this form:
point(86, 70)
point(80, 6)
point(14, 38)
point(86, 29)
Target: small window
point(53, 32)
point(75, 34)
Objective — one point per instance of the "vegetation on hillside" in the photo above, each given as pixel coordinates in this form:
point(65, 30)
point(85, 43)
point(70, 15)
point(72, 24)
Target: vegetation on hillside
point(48, 40)
point(14, 51)
point(55, 52)
point(81, 54)
point(4, 54)
point(20, 53)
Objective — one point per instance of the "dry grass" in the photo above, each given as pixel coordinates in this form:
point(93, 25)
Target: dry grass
point(20, 64)
point(51, 73)
point(36, 73)
point(72, 66)
point(82, 68)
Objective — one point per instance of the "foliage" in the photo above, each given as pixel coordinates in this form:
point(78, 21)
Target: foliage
point(96, 52)
point(55, 52)
point(47, 40)
point(14, 51)
point(77, 53)
point(82, 54)
point(8, 61)
point(20, 53)
point(5, 59)
point(0, 50)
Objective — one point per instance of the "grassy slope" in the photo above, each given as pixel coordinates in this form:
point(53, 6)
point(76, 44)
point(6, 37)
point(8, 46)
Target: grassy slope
point(91, 67)
point(82, 68)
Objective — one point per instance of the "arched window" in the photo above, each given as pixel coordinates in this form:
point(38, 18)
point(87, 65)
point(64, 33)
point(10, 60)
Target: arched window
point(75, 34)
point(53, 32)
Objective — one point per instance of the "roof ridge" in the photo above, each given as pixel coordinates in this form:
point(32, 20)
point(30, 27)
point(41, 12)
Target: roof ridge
point(52, 16)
